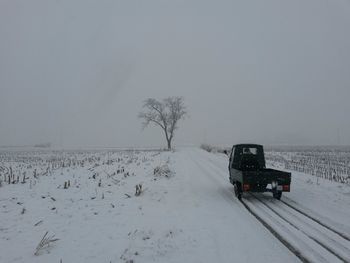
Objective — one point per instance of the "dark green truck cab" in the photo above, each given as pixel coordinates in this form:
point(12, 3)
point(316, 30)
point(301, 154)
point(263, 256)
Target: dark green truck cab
point(248, 172)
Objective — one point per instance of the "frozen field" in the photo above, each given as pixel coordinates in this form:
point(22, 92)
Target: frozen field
point(151, 206)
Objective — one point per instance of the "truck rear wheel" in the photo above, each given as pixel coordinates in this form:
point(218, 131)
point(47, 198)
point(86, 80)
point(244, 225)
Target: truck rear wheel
point(238, 190)
point(277, 194)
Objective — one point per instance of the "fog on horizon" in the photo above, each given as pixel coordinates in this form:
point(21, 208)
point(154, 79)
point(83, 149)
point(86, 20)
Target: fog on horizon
point(75, 73)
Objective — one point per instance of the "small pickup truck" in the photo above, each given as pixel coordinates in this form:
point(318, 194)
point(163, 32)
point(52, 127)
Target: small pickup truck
point(248, 172)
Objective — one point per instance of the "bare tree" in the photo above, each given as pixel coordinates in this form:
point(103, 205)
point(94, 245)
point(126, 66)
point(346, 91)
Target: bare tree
point(165, 114)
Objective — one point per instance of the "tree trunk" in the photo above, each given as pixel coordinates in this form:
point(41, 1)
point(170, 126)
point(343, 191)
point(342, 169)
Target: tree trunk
point(168, 139)
point(169, 144)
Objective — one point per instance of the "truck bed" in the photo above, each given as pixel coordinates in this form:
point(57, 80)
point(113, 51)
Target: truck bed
point(266, 176)
point(259, 179)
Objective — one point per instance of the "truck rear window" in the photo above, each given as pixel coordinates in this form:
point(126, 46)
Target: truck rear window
point(250, 150)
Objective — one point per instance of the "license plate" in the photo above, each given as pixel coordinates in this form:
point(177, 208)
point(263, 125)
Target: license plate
point(279, 188)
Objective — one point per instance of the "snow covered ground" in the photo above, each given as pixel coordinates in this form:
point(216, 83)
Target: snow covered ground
point(187, 214)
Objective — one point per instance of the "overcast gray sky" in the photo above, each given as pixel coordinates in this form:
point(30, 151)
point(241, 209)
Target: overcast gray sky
point(76, 72)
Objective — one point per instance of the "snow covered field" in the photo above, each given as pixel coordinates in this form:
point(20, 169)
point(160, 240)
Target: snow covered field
point(186, 210)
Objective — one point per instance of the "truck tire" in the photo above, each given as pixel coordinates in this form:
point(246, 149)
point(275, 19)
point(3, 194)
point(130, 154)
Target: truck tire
point(238, 191)
point(277, 194)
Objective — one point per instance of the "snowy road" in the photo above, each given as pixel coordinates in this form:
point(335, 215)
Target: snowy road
point(305, 235)
point(229, 232)
point(190, 216)
point(310, 240)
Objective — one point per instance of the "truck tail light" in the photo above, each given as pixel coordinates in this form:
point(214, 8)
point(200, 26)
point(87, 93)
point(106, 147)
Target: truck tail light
point(246, 187)
point(286, 188)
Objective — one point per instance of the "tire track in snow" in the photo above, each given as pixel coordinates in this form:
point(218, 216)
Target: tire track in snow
point(276, 233)
point(326, 240)
point(317, 220)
